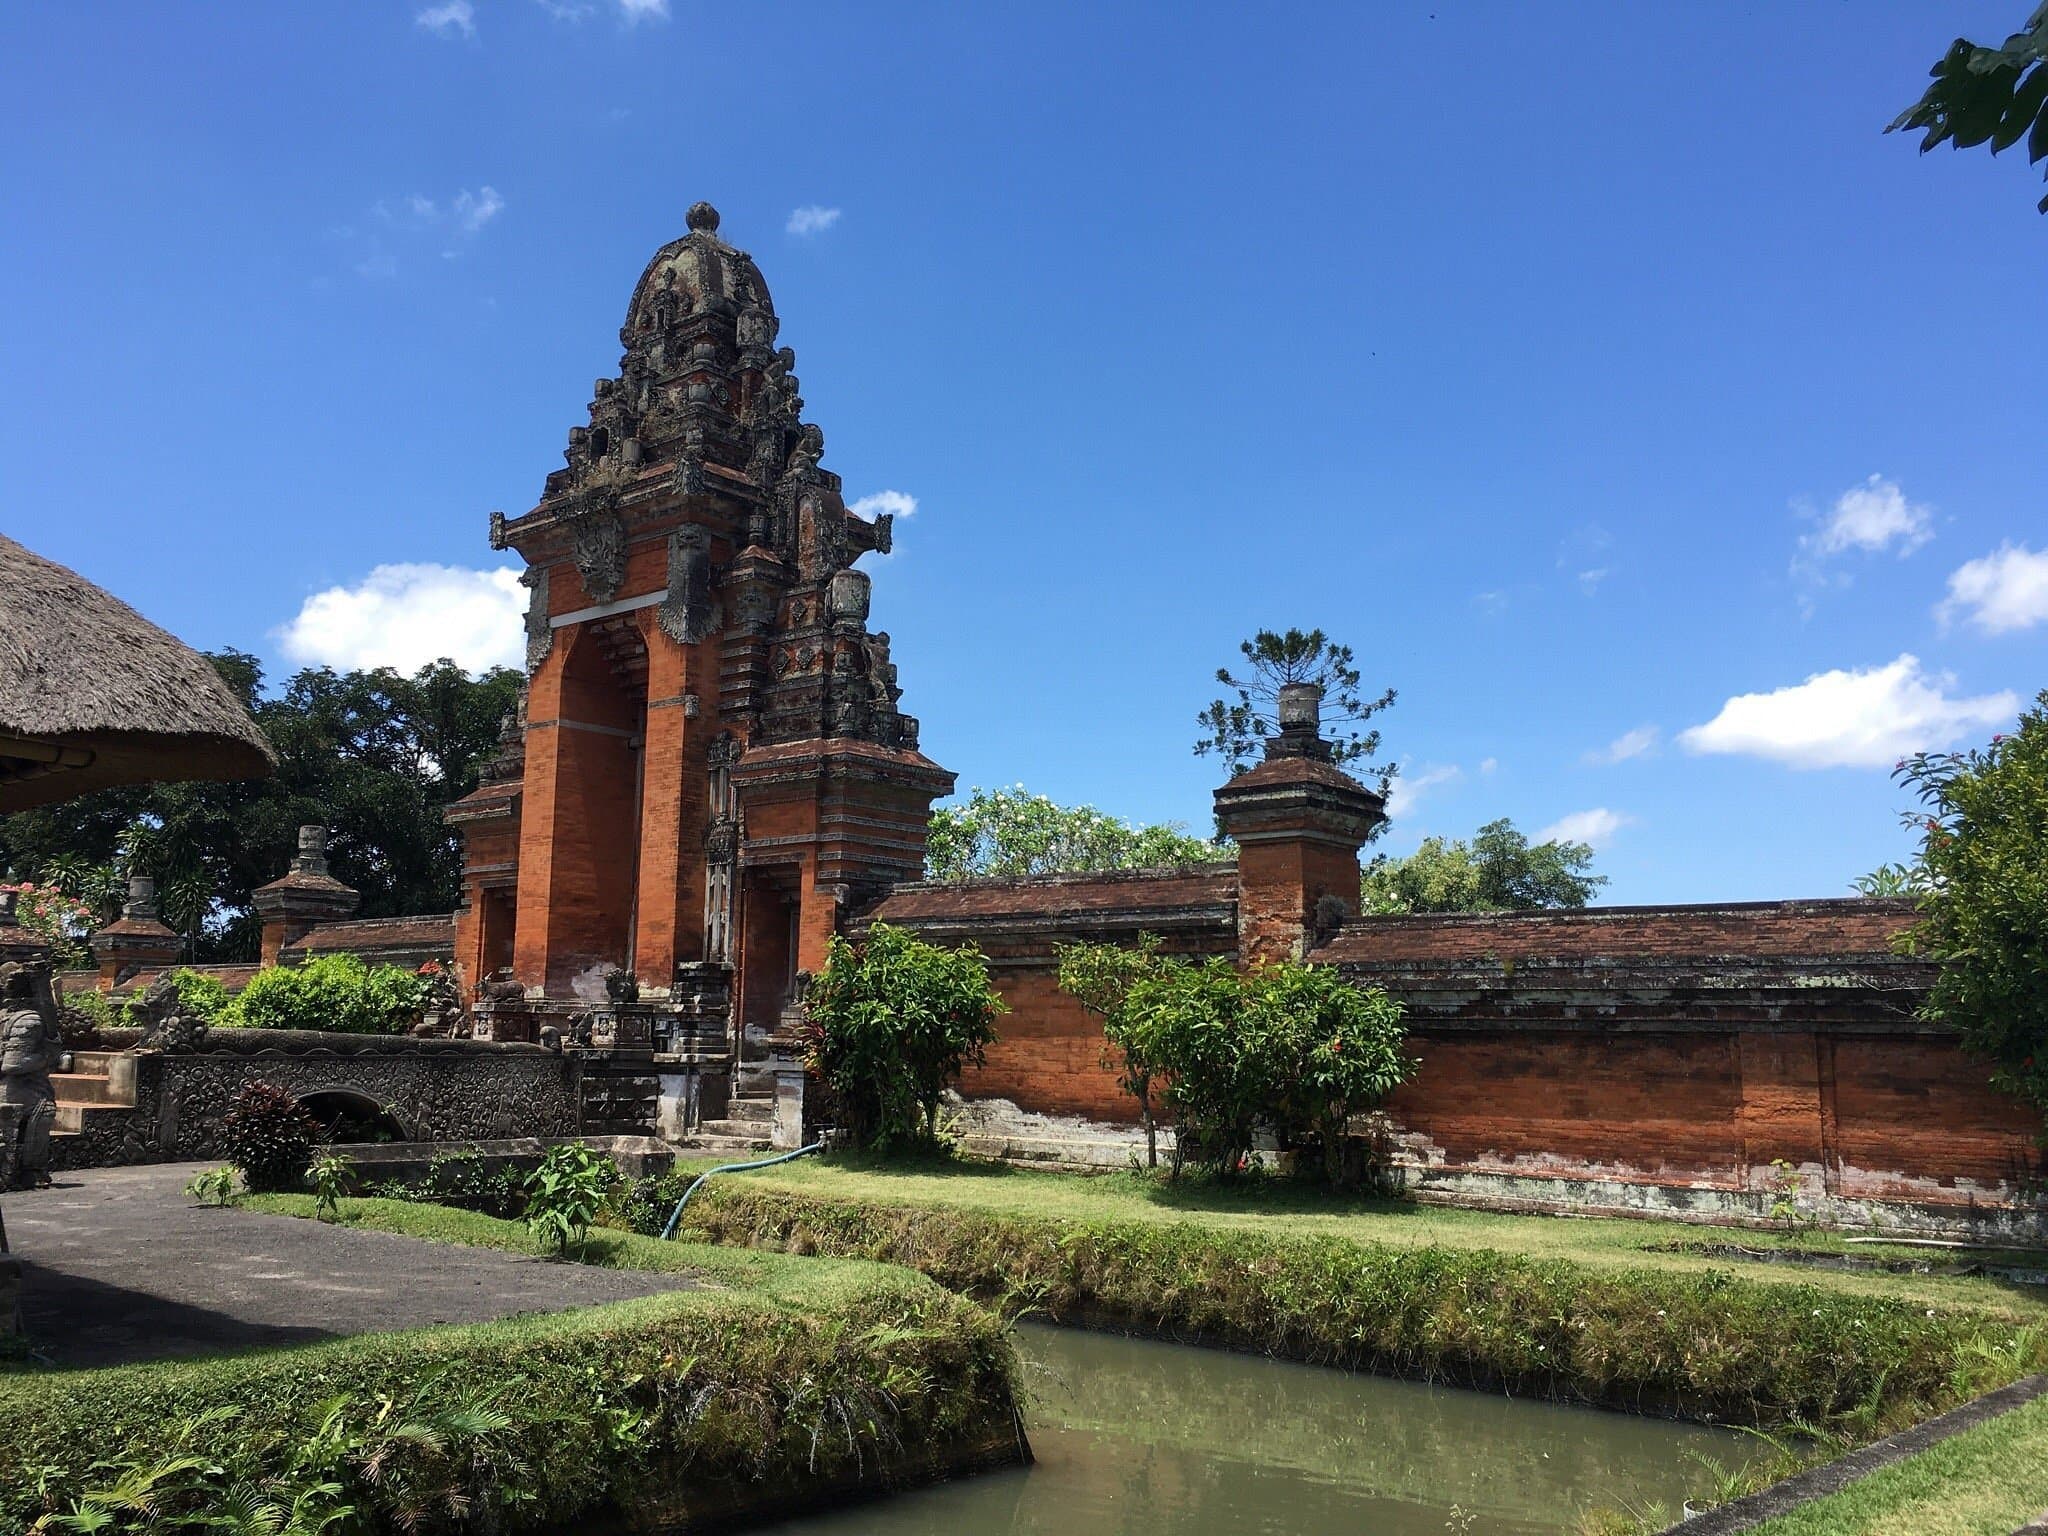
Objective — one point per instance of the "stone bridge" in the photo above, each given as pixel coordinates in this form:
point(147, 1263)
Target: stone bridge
point(146, 1106)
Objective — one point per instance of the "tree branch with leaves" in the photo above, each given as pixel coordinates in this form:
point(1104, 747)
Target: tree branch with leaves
point(1235, 727)
point(1983, 95)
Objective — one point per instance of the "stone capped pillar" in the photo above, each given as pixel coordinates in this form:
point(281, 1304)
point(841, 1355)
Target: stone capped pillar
point(1298, 821)
point(303, 899)
point(137, 940)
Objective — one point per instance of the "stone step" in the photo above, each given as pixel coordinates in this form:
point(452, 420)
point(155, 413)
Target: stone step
point(744, 1134)
point(704, 1140)
point(85, 1088)
point(93, 1063)
point(760, 1111)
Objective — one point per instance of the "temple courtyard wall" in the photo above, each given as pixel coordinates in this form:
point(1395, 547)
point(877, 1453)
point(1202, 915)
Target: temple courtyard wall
point(1742, 1061)
point(1728, 1062)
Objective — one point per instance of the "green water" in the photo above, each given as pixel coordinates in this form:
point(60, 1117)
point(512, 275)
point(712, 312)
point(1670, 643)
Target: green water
point(1137, 1437)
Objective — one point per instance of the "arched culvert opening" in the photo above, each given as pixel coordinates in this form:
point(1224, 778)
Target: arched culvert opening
point(351, 1117)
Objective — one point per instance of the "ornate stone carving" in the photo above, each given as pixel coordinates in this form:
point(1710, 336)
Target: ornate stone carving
point(598, 546)
point(540, 629)
point(497, 529)
point(688, 613)
point(31, 1045)
point(167, 1025)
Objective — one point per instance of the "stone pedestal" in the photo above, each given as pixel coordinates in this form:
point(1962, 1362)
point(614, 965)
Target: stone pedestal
point(303, 899)
point(138, 940)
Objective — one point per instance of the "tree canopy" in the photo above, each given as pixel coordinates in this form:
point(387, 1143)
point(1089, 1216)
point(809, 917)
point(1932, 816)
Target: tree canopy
point(375, 756)
point(1985, 95)
point(1500, 870)
point(1014, 832)
point(1235, 729)
point(1982, 884)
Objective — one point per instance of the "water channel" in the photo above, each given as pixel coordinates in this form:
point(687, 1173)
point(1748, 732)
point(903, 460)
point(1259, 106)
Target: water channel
point(1139, 1437)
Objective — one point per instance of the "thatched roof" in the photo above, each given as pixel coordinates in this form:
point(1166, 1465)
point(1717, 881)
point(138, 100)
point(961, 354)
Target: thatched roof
point(93, 694)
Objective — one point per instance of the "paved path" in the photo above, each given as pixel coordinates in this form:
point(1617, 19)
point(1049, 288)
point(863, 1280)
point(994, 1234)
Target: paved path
point(119, 1265)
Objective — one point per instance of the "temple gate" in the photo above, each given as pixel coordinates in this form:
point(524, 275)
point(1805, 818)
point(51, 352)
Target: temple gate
point(710, 768)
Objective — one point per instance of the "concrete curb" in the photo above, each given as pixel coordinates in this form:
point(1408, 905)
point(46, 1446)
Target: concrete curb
point(1752, 1510)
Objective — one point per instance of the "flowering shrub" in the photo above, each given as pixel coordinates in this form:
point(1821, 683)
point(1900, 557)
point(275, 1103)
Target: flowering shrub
point(63, 922)
point(268, 1135)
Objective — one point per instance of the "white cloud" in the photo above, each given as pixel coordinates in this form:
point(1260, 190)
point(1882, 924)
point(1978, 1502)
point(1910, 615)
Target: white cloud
point(406, 616)
point(1492, 604)
point(897, 503)
point(633, 12)
point(473, 210)
point(1488, 764)
point(1873, 517)
point(1409, 788)
point(565, 10)
point(1625, 746)
point(1596, 827)
point(811, 219)
point(2001, 592)
point(1862, 718)
point(451, 18)
point(1589, 581)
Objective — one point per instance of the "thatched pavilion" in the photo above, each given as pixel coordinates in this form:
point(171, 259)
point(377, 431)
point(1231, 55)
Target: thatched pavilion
point(92, 694)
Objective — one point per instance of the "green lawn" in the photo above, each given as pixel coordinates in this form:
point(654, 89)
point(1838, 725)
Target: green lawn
point(1273, 1206)
point(1986, 1481)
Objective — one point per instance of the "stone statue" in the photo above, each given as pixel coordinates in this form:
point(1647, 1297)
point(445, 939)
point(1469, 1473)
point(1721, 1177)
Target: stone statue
point(30, 1049)
point(167, 1024)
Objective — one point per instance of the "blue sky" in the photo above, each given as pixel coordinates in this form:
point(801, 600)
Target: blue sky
point(1601, 374)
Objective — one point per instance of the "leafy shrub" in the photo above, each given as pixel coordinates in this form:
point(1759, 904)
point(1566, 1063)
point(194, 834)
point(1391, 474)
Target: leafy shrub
point(466, 1180)
point(215, 1187)
point(329, 1177)
point(893, 1020)
point(268, 1135)
point(1982, 879)
point(1291, 1047)
point(200, 994)
point(332, 992)
point(564, 1194)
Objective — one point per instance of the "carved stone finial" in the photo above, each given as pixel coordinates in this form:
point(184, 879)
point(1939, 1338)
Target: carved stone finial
point(702, 218)
point(141, 903)
point(312, 859)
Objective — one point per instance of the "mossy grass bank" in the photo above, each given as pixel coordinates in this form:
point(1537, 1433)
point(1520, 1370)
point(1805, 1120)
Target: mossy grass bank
point(1268, 1204)
point(1569, 1312)
point(781, 1382)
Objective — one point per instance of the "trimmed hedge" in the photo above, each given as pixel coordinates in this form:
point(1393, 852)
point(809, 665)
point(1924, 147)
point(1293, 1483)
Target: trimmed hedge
point(1709, 1345)
point(673, 1408)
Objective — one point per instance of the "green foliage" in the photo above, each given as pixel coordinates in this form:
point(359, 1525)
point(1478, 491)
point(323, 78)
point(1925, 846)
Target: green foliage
point(329, 1177)
point(1236, 729)
point(664, 1406)
point(465, 1179)
point(1890, 880)
point(60, 920)
point(269, 1137)
point(1994, 96)
point(217, 1187)
point(200, 994)
point(1100, 978)
point(893, 1020)
point(374, 756)
point(564, 1194)
point(1289, 1046)
point(1500, 870)
point(1984, 862)
point(330, 992)
point(1340, 1051)
point(1013, 832)
point(1706, 1343)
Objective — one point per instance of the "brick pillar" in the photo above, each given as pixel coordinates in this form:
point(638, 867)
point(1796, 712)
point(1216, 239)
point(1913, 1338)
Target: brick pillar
point(1298, 821)
point(303, 899)
point(135, 941)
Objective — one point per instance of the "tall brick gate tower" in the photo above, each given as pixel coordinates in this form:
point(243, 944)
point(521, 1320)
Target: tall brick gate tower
point(710, 768)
